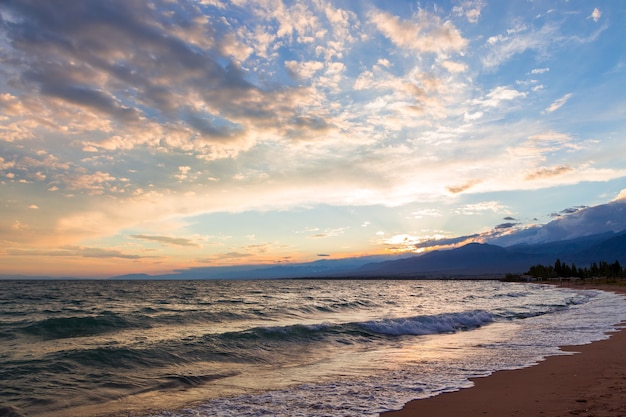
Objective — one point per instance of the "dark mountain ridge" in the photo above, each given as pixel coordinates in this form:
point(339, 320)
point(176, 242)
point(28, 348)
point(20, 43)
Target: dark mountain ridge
point(485, 259)
point(471, 260)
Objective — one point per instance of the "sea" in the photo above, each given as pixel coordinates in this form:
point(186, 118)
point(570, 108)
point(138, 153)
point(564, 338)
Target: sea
point(275, 347)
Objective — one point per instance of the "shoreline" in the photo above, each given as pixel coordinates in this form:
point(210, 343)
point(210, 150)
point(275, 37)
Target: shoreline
point(589, 382)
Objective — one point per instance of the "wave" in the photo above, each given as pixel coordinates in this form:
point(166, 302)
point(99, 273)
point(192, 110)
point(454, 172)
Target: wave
point(106, 322)
point(10, 412)
point(82, 326)
point(333, 306)
point(415, 326)
point(424, 325)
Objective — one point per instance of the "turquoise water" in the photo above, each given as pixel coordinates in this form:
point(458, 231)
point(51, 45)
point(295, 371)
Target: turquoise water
point(274, 348)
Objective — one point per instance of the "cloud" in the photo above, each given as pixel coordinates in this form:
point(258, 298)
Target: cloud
point(471, 9)
point(456, 189)
point(441, 242)
point(581, 221)
point(595, 15)
point(303, 70)
point(426, 213)
point(402, 242)
point(501, 48)
point(125, 65)
point(228, 256)
point(259, 248)
point(498, 95)
point(330, 233)
point(557, 104)
point(508, 225)
point(18, 226)
point(621, 195)
point(167, 240)
point(538, 146)
point(469, 117)
point(310, 122)
point(76, 251)
point(548, 172)
point(425, 33)
point(479, 208)
point(572, 210)
point(453, 66)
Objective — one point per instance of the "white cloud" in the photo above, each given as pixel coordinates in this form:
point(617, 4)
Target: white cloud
point(96, 183)
point(557, 104)
point(595, 15)
point(304, 70)
point(425, 33)
point(539, 145)
point(453, 66)
point(482, 207)
point(501, 48)
point(468, 117)
point(498, 95)
point(426, 213)
point(331, 232)
point(471, 9)
point(384, 62)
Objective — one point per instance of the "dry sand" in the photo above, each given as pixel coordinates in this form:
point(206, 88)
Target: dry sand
point(589, 383)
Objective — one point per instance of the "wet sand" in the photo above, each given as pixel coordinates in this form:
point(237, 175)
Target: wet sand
point(591, 382)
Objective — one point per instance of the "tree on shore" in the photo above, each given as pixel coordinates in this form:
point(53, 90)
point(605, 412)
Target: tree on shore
point(563, 270)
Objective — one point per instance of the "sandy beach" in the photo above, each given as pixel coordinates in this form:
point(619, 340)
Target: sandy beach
point(591, 382)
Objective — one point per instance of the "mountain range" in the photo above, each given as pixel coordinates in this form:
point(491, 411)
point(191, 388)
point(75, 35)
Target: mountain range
point(580, 235)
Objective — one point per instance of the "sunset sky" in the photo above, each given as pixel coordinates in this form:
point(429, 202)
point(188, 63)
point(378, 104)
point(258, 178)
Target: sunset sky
point(148, 136)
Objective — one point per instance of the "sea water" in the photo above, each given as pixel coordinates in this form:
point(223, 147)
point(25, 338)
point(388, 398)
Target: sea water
point(274, 348)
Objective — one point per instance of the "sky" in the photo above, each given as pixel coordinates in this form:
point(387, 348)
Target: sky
point(150, 136)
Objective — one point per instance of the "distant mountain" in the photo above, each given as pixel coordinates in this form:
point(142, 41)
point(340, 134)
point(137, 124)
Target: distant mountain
point(580, 235)
point(559, 248)
point(484, 259)
point(471, 259)
point(315, 269)
point(610, 250)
